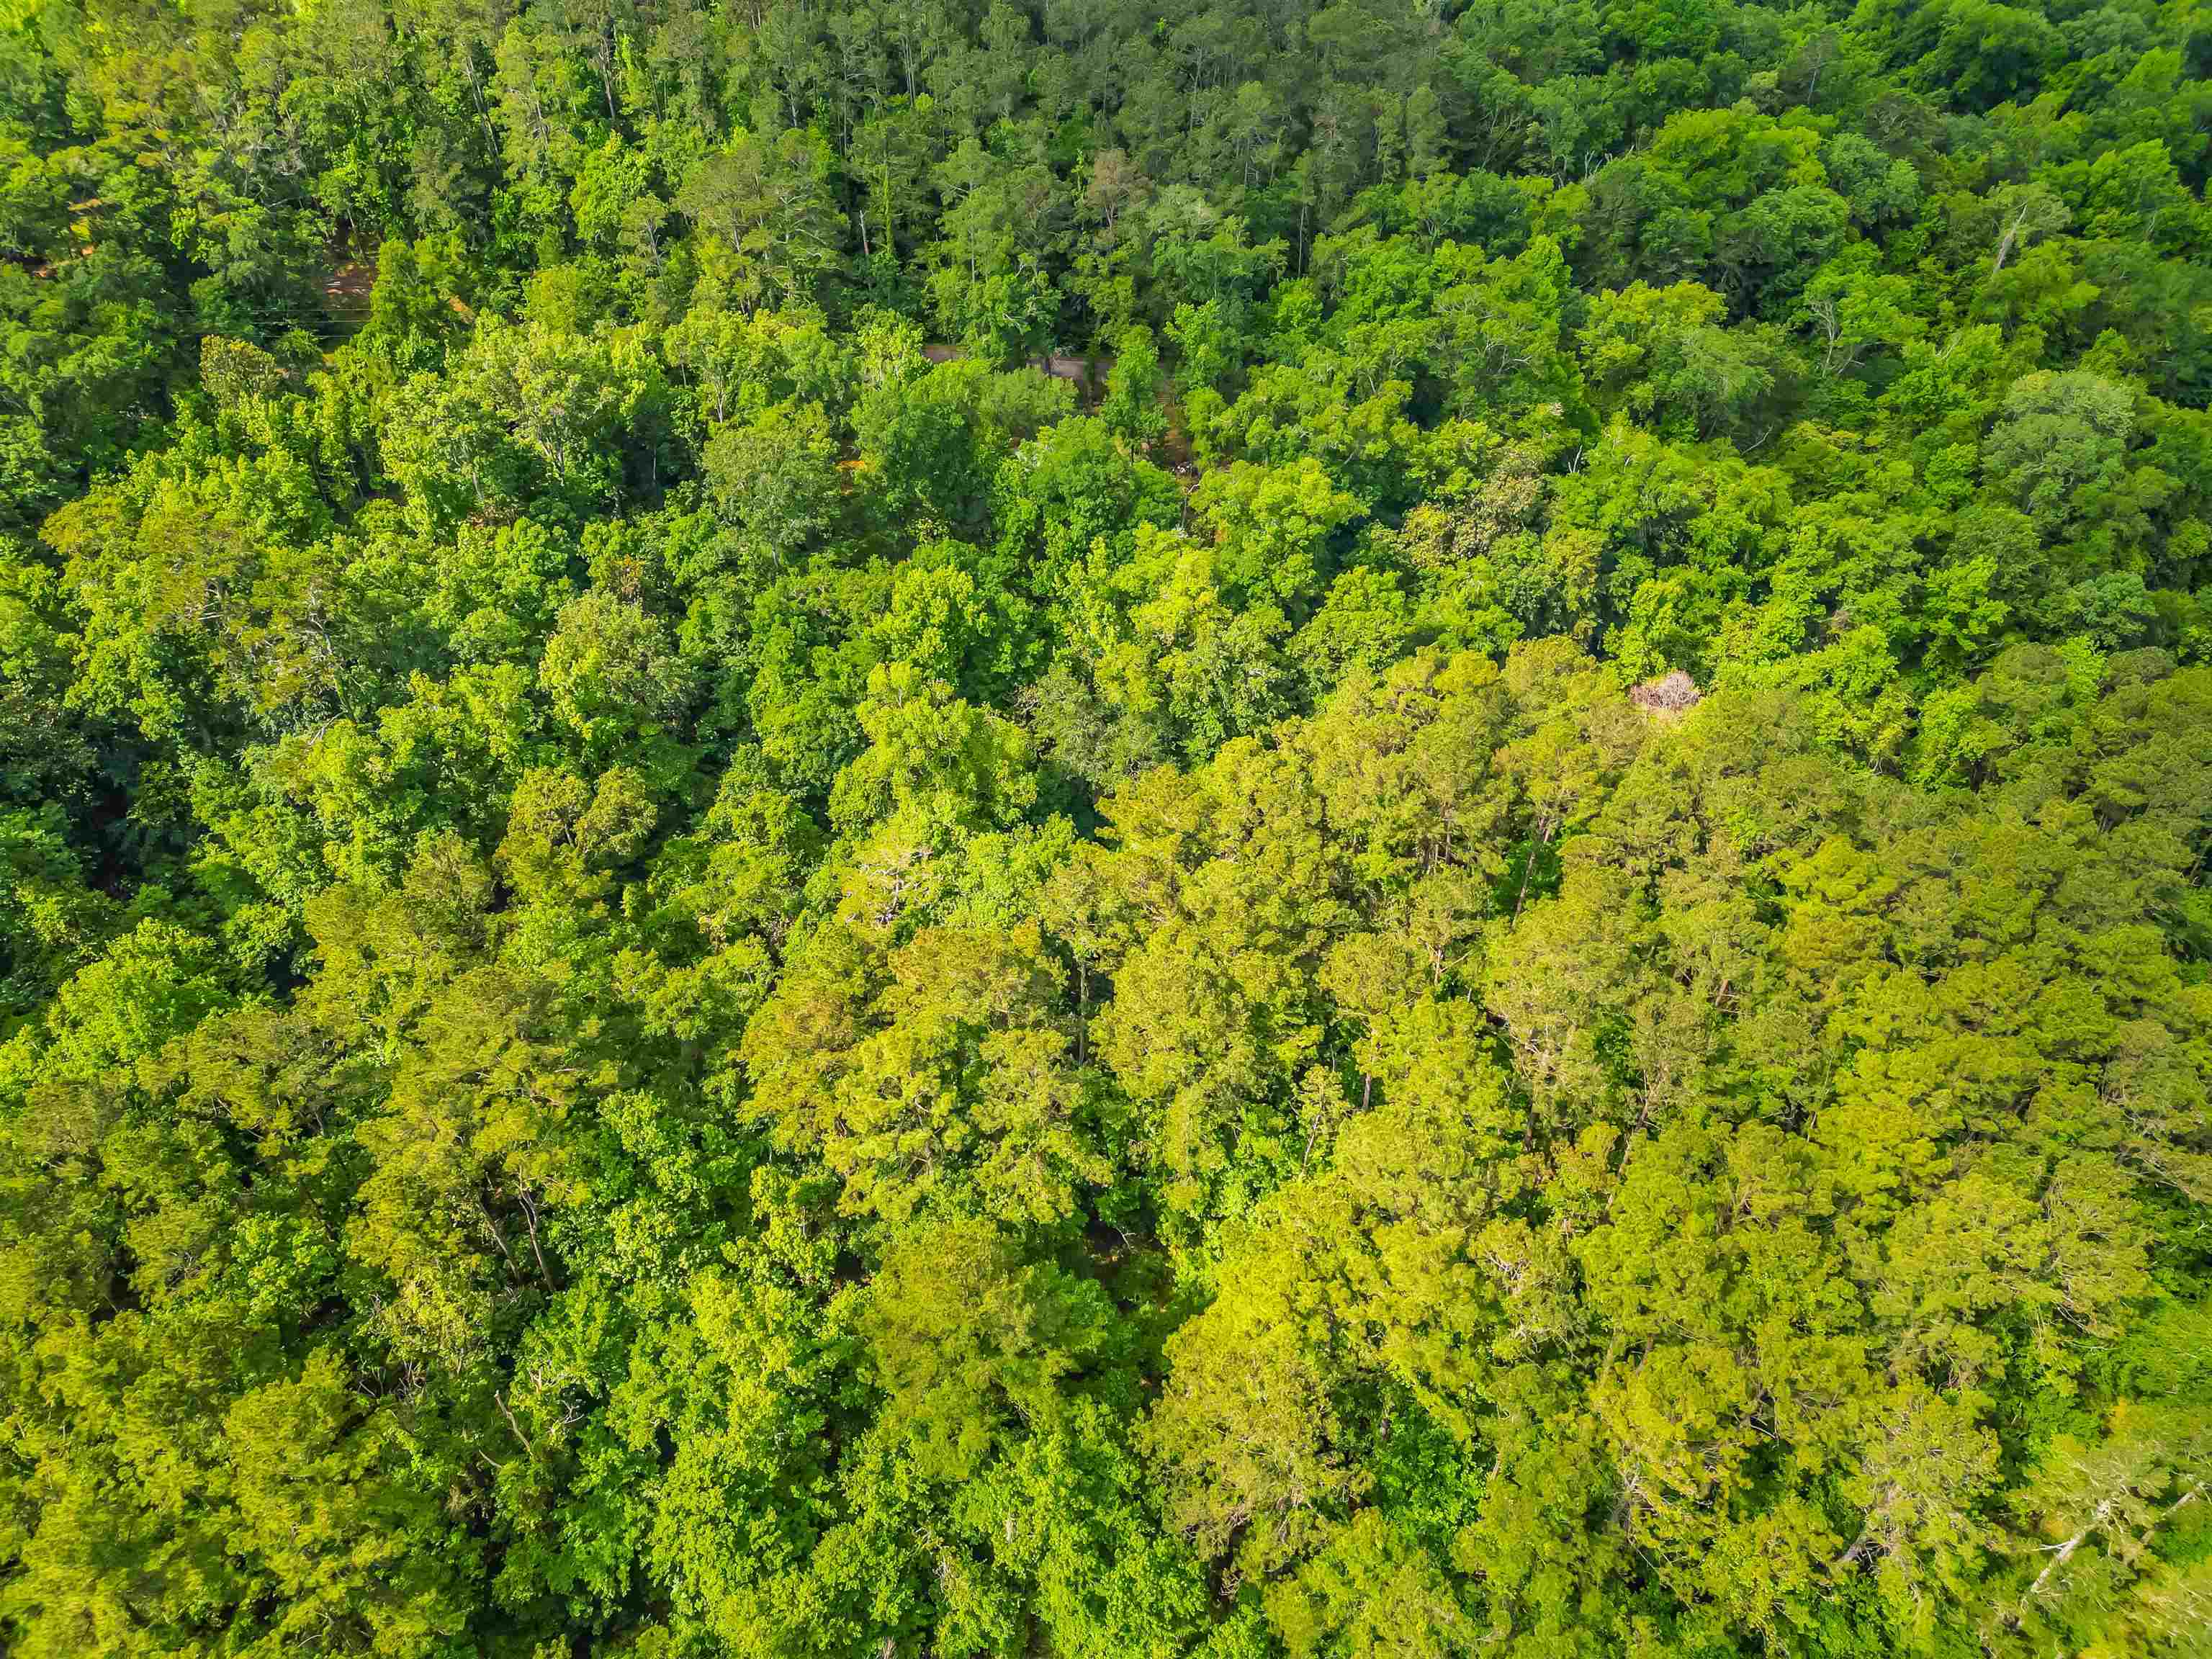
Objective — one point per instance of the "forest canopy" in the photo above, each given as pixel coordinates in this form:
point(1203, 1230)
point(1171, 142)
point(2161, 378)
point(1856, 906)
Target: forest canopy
point(1249, 829)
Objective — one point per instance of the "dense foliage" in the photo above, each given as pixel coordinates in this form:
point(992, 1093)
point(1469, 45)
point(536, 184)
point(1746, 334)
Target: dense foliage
point(1505, 952)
